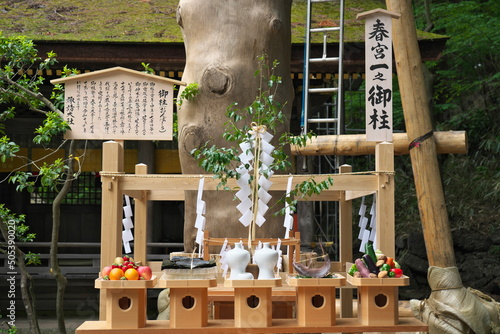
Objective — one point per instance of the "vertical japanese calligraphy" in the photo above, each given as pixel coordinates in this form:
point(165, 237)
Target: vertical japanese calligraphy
point(119, 106)
point(378, 61)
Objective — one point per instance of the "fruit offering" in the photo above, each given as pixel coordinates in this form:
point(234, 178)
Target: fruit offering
point(125, 268)
point(375, 265)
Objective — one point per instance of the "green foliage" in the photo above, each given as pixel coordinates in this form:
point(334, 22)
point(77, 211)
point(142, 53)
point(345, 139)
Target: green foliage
point(53, 174)
point(57, 95)
point(53, 125)
point(188, 94)
point(8, 149)
point(22, 180)
point(22, 231)
point(147, 68)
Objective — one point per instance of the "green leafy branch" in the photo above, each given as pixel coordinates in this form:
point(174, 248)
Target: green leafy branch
point(22, 233)
point(267, 113)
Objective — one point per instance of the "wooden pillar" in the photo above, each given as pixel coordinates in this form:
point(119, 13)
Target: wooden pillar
point(111, 214)
point(111, 210)
point(141, 220)
point(384, 162)
point(345, 247)
point(431, 201)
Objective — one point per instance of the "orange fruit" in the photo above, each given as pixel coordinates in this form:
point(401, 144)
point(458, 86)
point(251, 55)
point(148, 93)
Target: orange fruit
point(115, 274)
point(131, 274)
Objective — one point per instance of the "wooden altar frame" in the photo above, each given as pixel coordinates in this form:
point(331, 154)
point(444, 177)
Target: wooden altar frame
point(145, 187)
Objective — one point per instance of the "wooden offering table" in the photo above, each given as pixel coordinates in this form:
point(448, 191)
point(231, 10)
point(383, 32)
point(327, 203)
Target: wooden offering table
point(253, 301)
point(188, 301)
point(378, 299)
point(316, 299)
point(125, 302)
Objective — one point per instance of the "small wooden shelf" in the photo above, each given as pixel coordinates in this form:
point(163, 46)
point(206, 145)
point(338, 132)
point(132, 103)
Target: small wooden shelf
point(253, 283)
point(187, 283)
point(125, 284)
point(339, 280)
point(388, 281)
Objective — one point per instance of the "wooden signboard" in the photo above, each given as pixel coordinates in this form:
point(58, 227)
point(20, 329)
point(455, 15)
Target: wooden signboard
point(118, 104)
point(378, 63)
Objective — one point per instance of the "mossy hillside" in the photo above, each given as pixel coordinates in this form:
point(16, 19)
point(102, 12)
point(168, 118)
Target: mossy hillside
point(152, 20)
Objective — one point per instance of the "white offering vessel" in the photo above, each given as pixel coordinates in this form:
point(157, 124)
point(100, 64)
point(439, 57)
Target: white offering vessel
point(237, 260)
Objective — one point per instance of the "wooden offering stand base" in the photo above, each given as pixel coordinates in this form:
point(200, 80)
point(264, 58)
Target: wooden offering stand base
point(253, 301)
point(316, 299)
point(125, 302)
point(378, 299)
point(188, 301)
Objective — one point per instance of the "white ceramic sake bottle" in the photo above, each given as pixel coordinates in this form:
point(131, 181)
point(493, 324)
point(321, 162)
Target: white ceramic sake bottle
point(237, 259)
point(266, 259)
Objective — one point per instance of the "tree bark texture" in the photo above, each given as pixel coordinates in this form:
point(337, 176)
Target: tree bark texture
point(416, 107)
point(223, 40)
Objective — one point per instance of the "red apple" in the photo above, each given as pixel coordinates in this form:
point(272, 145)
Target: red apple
point(105, 271)
point(145, 272)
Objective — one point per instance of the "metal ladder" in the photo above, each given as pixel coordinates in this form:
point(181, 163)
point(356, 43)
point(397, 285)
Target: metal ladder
point(329, 119)
point(307, 90)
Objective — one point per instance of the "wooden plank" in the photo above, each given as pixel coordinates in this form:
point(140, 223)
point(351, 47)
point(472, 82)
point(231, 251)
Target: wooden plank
point(278, 326)
point(178, 182)
point(111, 211)
point(350, 195)
point(345, 247)
point(454, 142)
point(385, 237)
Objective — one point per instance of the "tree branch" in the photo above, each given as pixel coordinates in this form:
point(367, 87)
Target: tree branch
point(38, 96)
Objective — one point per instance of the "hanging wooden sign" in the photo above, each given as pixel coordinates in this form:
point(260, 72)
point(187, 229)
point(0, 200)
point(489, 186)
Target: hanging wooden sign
point(118, 104)
point(378, 68)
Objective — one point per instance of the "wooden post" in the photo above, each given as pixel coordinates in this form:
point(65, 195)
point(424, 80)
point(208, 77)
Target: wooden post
point(345, 247)
point(111, 210)
point(111, 214)
point(141, 215)
point(432, 205)
point(446, 142)
point(384, 162)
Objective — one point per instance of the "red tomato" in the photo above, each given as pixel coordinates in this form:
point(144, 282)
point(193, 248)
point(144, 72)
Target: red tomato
point(398, 272)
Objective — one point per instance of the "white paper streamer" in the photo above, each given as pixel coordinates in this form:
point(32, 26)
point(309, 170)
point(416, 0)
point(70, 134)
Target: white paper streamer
point(200, 219)
point(247, 205)
point(224, 249)
point(127, 235)
point(288, 221)
point(364, 240)
point(280, 254)
point(367, 227)
point(128, 225)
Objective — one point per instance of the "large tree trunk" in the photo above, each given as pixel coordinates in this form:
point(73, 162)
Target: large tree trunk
point(223, 40)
